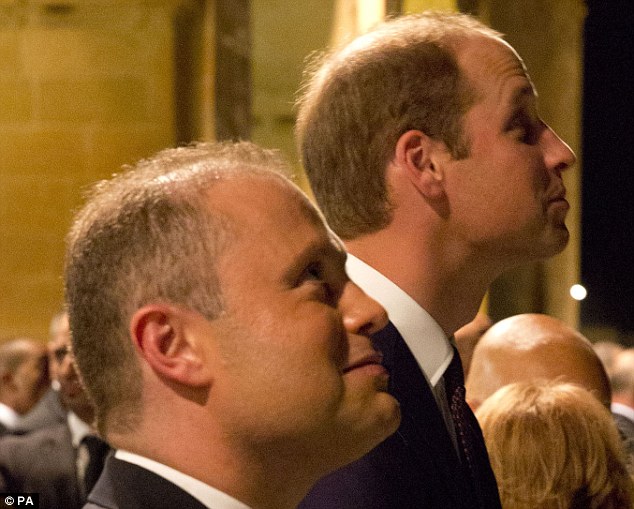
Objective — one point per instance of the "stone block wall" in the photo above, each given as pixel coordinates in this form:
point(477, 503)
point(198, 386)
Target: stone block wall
point(84, 88)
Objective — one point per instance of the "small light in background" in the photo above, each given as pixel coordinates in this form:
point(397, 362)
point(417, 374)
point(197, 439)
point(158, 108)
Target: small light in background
point(578, 292)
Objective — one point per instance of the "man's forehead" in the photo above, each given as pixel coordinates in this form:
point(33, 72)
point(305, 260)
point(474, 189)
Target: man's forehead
point(58, 341)
point(260, 197)
point(61, 335)
point(490, 61)
point(36, 357)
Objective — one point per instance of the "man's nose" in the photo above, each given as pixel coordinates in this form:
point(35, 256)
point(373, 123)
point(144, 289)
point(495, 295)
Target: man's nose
point(361, 314)
point(558, 155)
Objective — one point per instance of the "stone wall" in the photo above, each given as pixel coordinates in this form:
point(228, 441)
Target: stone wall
point(84, 88)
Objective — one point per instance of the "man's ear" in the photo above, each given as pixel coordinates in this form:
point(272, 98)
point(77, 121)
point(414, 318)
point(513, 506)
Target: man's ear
point(169, 345)
point(8, 379)
point(418, 156)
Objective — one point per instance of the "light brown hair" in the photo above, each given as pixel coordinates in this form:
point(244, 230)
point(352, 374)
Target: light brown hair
point(357, 101)
point(554, 445)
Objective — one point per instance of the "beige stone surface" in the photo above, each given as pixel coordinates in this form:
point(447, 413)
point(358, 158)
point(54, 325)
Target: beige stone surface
point(82, 91)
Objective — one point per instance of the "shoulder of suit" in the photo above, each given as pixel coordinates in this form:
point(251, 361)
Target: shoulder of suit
point(13, 444)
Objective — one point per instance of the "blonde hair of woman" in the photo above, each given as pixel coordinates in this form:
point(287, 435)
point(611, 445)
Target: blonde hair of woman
point(554, 446)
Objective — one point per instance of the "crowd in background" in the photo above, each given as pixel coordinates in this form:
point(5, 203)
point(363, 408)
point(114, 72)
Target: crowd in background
point(557, 414)
point(236, 351)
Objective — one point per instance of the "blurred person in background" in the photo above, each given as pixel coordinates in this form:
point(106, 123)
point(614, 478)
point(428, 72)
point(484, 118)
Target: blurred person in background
point(23, 379)
point(622, 380)
point(607, 351)
point(468, 336)
point(49, 410)
point(534, 346)
point(60, 461)
point(554, 446)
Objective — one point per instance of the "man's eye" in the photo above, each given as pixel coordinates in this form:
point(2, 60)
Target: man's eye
point(61, 353)
point(322, 286)
point(313, 271)
point(525, 128)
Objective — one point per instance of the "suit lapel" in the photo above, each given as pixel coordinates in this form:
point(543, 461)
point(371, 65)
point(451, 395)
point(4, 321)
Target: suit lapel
point(423, 430)
point(124, 485)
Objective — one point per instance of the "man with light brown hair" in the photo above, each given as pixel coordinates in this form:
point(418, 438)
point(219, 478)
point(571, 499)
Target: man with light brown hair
point(425, 150)
point(216, 330)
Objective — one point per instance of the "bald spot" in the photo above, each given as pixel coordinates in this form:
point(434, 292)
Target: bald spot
point(624, 360)
point(622, 377)
point(530, 347)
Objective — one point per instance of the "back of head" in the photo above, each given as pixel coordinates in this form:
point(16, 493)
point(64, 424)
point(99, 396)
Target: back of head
point(607, 351)
point(146, 235)
point(554, 446)
point(534, 346)
point(14, 353)
point(360, 99)
point(622, 377)
point(23, 373)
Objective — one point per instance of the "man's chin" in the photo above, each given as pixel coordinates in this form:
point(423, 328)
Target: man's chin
point(553, 242)
point(561, 239)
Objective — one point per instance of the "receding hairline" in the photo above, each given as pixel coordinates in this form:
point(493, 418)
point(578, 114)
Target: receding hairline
point(449, 31)
point(177, 175)
point(17, 351)
point(225, 206)
point(161, 200)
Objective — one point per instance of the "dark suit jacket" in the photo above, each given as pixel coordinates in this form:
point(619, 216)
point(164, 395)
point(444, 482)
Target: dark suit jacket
point(43, 462)
point(626, 430)
point(418, 466)
point(625, 426)
point(123, 485)
point(48, 412)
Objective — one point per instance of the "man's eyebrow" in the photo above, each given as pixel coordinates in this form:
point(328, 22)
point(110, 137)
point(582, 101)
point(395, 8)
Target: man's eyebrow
point(522, 94)
point(316, 251)
point(521, 98)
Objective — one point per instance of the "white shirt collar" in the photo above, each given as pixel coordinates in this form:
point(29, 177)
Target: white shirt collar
point(78, 428)
point(624, 410)
point(422, 334)
point(205, 494)
point(8, 416)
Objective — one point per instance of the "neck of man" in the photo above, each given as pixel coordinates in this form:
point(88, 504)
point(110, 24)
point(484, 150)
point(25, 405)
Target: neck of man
point(623, 399)
point(13, 403)
point(261, 480)
point(442, 277)
point(85, 413)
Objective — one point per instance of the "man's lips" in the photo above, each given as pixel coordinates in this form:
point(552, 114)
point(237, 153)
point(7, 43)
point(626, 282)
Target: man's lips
point(373, 359)
point(557, 199)
point(558, 195)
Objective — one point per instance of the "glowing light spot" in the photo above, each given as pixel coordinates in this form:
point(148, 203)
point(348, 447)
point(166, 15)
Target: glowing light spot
point(578, 292)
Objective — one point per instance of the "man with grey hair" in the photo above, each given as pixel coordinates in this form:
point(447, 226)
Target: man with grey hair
point(224, 347)
point(425, 151)
point(23, 379)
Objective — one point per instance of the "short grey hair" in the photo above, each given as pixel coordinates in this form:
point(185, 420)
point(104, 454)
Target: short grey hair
point(147, 235)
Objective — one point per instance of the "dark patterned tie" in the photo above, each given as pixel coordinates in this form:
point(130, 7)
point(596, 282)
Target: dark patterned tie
point(469, 437)
point(97, 452)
